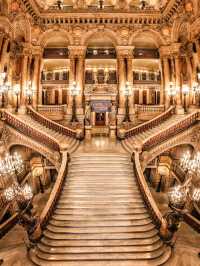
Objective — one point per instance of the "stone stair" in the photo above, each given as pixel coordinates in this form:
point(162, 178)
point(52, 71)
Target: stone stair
point(64, 141)
point(135, 141)
point(100, 218)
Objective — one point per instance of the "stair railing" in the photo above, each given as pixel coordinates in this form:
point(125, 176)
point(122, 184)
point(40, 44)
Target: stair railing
point(171, 131)
point(155, 213)
point(55, 194)
point(51, 124)
point(150, 124)
point(22, 127)
point(8, 224)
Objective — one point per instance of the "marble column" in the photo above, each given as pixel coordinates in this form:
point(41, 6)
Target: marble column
point(22, 108)
point(166, 76)
point(4, 54)
point(190, 80)
point(179, 108)
point(122, 81)
point(36, 79)
point(80, 72)
point(162, 85)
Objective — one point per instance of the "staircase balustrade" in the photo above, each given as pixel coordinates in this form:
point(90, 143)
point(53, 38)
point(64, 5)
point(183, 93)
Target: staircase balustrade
point(55, 193)
point(27, 130)
point(8, 224)
point(155, 213)
point(177, 169)
point(170, 131)
point(51, 124)
point(150, 124)
point(192, 221)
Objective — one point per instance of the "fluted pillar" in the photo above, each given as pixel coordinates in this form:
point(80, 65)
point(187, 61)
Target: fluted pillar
point(36, 78)
point(166, 76)
point(121, 75)
point(4, 54)
point(23, 83)
point(179, 107)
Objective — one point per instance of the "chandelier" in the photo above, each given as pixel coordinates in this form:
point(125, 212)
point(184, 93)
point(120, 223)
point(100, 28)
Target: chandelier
point(191, 164)
point(11, 164)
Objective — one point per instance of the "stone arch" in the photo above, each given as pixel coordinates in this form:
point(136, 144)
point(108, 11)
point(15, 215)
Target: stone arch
point(106, 32)
point(22, 27)
point(154, 35)
point(53, 33)
point(151, 156)
point(28, 145)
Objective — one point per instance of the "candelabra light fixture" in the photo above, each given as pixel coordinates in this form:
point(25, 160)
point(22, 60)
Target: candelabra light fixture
point(29, 93)
point(172, 93)
point(185, 91)
point(74, 92)
point(16, 90)
point(4, 87)
point(60, 4)
point(127, 92)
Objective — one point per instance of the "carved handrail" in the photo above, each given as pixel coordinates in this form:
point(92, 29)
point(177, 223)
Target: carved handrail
point(147, 196)
point(8, 224)
point(150, 124)
point(51, 108)
point(30, 131)
point(55, 193)
point(149, 108)
point(51, 124)
point(192, 221)
point(171, 131)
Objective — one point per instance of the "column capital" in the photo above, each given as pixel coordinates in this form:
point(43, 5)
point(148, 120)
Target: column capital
point(169, 50)
point(125, 51)
point(77, 51)
point(37, 50)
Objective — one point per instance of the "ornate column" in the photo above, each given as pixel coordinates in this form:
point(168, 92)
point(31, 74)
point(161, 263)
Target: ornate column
point(165, 75)
point(179, 107)
point(37, 54)
point(24, 73)
point(4, 54)
point(124, 59)
point(77, 73)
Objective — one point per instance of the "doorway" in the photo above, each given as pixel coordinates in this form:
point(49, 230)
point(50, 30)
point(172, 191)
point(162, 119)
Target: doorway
point(100, 119)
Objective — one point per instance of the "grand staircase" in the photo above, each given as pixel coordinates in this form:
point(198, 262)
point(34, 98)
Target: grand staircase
point(100, 218)
point(140, 138)
point(65, 142)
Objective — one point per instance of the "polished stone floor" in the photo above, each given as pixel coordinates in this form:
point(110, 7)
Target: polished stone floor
point(13, 245)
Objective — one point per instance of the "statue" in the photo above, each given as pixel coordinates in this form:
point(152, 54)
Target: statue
point(87, 115)
point(112, 116)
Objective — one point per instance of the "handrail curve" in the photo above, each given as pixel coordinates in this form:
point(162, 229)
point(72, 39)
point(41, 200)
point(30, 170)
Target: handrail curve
point(172, 130)
point(150, 124)
point(55, 193)
point(51, 124)
point(155, 213)
point(30, 131)
point(8, 224)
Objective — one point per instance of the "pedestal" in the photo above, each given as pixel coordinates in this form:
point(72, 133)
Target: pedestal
point(112, 132)
point(22, 110)
point(179, 110)
point(88, 133)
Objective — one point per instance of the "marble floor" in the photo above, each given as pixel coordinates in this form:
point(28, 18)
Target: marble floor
point(13, 248)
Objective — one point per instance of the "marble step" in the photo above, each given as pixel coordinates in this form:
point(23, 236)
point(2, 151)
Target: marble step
point(100, 193)
point(99, 198)
point(108, 187)
point(101, 236)
point(100, 249)
point(105, 216)
point(102, 256)
point(101, 201)
point(101, 242)
point(140, 212)
point(114, 226)
point(127, 190)
point(101, 205)
point(142, 262)
point(97, 183)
